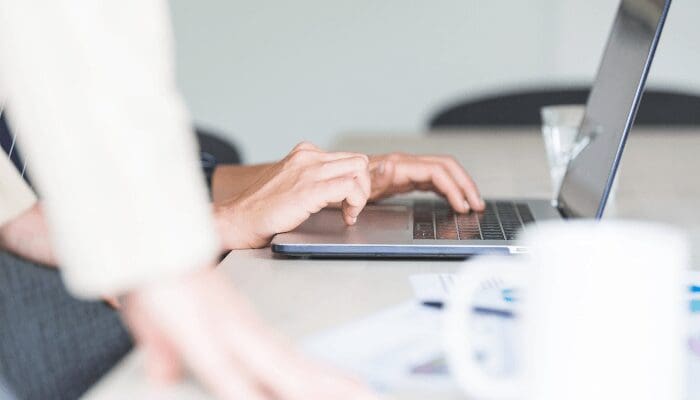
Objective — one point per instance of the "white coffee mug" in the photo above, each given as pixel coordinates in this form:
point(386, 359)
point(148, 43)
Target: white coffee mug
point(600, 316)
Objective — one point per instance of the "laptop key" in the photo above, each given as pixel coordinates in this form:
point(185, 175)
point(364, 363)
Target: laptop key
point(500, 220)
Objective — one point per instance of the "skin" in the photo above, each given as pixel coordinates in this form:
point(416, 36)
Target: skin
point(303, 183)
point(392, 174)
point(199, 323)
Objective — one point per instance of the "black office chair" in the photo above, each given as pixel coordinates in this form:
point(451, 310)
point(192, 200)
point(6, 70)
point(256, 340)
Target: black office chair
point(215, 149)
point(522, 108)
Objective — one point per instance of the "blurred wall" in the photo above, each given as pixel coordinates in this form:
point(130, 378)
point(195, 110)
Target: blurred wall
point(271, 73)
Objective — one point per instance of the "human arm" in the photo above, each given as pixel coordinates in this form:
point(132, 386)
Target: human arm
point(230, 331)
point(214, 332)
point(27, 236)
point(92, 98)
point(230, 180)
point(389, 174)
point(215, 335)
point(286, 193)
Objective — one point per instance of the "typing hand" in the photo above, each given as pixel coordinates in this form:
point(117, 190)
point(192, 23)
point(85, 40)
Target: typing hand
point(397, 173)
point(286, 193)
point(199, 323)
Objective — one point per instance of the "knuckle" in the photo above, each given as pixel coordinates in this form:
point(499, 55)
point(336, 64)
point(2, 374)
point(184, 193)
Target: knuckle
point(347, 183)
point(395, 157)
point(305, 144)
point(305, 174)
point(300, 156)
point(287, 162)
point(437, 168)
point(360, 163)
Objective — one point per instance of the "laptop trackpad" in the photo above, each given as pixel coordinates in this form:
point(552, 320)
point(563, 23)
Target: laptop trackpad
point(374, 217)
point(391, 217)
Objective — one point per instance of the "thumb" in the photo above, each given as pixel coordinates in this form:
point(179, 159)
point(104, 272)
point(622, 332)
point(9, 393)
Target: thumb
point(382, 177)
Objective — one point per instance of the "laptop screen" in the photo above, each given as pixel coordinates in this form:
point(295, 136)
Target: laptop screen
point(611, 107)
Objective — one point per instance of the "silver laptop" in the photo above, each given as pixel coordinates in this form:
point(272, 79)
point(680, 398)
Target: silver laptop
point(429, 228)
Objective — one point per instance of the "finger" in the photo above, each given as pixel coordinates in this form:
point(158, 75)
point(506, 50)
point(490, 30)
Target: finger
point(344, 189)
point(162, 362)
point(354, 202)
point(305, 146)
point(326, 156)
point(224, 380)
point(307, 156)
point(284, 372)
point(434, 175)
point(337, 155)
point(216, 367)
point(463, 179)
point(354, 166)
point(206, 355)
point(446, 185)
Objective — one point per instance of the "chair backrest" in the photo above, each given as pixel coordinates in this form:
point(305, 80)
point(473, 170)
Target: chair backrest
point(213, 147)
point(522, 108)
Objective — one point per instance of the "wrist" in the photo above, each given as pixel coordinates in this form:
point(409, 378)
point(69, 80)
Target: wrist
point(234, 232)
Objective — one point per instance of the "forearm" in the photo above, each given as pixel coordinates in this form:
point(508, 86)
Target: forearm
point(27, 236)
point(230, 180)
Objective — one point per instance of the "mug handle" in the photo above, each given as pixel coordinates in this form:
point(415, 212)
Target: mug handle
point(458, 338)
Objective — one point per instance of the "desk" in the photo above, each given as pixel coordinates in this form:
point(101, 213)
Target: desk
point(658, 181)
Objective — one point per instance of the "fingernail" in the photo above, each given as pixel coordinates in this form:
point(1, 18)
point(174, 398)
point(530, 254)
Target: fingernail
point(483, 203)
point(466, 206)
point(354, 220)
point(381, 168)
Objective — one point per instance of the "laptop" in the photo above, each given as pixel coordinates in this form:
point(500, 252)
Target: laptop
point(429, 228)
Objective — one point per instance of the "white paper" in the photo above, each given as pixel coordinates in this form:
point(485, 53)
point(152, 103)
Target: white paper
point(434, 289)
point(384, 348)
point(431, 288)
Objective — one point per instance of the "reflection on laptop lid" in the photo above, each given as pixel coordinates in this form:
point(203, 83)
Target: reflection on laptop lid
point(612, 107)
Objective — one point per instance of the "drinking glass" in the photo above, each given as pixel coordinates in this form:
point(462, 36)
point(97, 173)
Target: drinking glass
point(560, 126)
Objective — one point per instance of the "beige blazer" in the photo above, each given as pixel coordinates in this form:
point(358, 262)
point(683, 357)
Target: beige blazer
point(90, 92)
point(15, 195)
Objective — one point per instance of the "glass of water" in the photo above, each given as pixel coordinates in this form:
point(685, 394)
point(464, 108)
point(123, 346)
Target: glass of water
point(560, 126)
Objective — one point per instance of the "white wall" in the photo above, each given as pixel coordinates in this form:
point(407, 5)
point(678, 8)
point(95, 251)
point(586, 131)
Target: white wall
point(271, 73)
point(583, 29)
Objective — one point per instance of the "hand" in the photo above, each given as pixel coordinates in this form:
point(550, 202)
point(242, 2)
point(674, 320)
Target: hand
point(397, 173)
point(199, 322)
point(230, 180)
point(286, 193)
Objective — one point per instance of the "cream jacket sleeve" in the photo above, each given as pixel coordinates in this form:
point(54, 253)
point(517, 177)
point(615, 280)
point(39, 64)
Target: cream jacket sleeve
point(90, 91)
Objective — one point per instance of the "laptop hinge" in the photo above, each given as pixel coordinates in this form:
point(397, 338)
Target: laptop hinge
point(563, 211)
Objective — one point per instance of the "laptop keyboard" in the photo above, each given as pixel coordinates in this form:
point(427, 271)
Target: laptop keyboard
point(501, 220)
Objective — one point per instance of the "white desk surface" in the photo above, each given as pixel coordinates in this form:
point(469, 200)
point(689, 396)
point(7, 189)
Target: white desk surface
point(659, 180)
